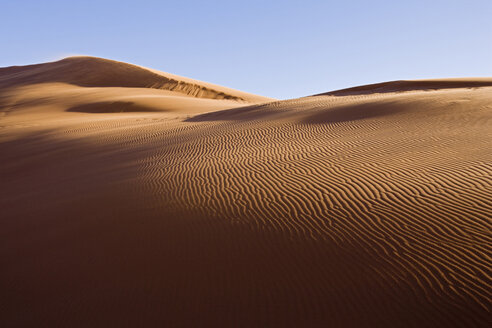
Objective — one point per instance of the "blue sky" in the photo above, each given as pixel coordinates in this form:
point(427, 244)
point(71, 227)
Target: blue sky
point(282, 49)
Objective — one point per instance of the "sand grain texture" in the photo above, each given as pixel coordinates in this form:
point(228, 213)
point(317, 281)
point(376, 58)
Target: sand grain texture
point(132, 200)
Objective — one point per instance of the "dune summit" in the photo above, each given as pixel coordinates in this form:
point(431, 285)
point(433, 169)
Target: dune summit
point(90, 84)
point(132, 197)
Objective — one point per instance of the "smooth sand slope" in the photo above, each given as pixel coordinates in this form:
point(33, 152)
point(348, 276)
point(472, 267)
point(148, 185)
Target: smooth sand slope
point(97, 85)
point(131, 200)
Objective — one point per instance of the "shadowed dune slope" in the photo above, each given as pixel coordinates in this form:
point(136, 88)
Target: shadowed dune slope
point(368, 210)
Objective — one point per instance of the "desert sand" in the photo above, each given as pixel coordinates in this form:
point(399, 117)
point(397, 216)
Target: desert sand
point(136, 198)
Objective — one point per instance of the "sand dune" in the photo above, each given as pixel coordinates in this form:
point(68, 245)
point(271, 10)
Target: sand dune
point(368, 207)
point(413, 85)
point(94, 85)
point(99, 72)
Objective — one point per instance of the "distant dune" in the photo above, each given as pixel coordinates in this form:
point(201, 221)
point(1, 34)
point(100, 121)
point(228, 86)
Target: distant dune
point(93, 84)
point(413, 85)
point(136, 198)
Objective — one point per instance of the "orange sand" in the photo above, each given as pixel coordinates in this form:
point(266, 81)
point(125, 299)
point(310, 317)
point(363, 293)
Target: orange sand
point(136, 198)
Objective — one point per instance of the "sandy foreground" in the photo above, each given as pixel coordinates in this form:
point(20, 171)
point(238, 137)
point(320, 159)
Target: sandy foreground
point(135, 198)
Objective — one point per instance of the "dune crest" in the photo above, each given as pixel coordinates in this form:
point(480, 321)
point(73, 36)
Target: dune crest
point(98, 72)
point(412, 85)
point(77, 83)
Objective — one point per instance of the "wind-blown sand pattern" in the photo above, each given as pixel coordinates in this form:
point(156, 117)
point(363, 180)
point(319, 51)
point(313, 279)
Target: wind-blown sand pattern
point(142, 202)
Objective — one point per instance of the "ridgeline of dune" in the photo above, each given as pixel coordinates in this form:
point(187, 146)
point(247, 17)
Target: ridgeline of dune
point(90, 84)
point(87, 71)
point(127, 205)
point(413, 85)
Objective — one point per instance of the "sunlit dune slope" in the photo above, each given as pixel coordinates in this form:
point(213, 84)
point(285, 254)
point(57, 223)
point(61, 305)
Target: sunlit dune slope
point(99, 72)
point(350, 209)
point(95, 84)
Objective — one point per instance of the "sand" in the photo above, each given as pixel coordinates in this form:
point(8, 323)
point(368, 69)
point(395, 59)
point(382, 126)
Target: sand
point(136, 198)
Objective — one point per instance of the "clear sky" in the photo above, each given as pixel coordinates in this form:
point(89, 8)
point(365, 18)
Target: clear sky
point(281, 49)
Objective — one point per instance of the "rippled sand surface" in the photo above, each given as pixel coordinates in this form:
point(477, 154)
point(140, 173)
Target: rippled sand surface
point(146, 200)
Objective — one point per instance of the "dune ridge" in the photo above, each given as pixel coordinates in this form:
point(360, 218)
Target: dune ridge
point(94, 85)
point(355, 210)
point(88, 71)
point(412, 85)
